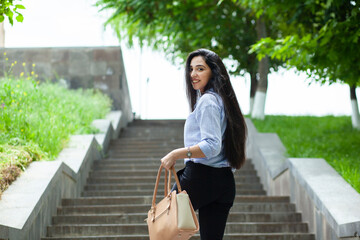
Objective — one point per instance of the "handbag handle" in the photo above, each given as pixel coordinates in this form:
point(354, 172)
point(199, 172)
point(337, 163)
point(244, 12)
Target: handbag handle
point(167, 183)
point(167, 186)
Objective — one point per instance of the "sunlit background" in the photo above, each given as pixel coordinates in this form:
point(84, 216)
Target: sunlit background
point(156, 86)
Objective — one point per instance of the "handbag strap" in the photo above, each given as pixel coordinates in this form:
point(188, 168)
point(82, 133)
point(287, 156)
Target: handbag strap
point(167, 183)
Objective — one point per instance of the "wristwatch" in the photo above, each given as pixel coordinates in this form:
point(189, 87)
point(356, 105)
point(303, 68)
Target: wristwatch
point(188, 154)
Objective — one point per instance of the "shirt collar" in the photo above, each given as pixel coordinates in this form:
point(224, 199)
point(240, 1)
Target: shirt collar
point(199, 93)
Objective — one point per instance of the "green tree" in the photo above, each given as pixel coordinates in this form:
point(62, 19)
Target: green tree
point(179, 27)
point(9, 9)
point(319, 37)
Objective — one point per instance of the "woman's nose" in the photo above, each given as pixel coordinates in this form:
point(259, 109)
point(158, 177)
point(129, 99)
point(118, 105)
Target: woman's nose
point(193, 73)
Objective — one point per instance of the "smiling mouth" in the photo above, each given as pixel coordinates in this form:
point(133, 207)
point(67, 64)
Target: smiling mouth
point(195, 81)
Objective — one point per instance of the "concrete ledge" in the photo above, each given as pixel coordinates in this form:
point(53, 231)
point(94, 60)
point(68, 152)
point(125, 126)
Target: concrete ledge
point(106, 133)
point(27, 206)
point(25, 199)
point(77, 150)
point(273, 151)
point(251, 132)
point(115, 118)
point(332, 196)
point(267, 153)
point(78, 157)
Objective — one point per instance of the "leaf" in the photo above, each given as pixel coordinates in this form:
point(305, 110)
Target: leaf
point(19, 6)
point(11, 20)
point(9, 13)
point(19, 18)
point(259, 13)
point(1, 18)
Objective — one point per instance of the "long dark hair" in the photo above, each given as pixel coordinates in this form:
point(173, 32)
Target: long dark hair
point(236, 131)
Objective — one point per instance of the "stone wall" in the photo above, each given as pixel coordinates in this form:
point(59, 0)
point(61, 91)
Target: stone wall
point(74, 67)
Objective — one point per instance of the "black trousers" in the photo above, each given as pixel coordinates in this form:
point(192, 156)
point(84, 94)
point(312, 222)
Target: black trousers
point(212, 192)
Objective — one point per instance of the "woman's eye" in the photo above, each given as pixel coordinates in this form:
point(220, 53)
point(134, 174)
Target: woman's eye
point(200, 69)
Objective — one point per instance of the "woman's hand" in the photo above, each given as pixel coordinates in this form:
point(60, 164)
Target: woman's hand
point(169, 160)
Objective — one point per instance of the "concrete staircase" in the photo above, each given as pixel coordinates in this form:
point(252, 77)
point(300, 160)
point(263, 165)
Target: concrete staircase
point(119, 191)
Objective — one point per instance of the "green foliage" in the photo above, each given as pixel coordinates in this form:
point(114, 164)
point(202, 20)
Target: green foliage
point(9, 9)
point(47, 114)
point(179, 27)
point(320, 37)
point(331, 138)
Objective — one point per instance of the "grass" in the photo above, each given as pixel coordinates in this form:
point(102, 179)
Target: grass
point(36, 121)
point(331, 138)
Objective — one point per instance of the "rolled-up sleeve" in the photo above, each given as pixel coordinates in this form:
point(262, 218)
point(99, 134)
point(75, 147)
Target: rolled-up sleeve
point(208, 116)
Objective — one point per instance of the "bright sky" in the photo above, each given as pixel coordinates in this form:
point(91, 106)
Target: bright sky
point(156, 86)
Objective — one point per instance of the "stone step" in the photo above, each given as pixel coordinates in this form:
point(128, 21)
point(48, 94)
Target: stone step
point(158, 155)
point(154, 167)
point(148, 160)
point(112, 229)
point(147, 179)
point(139, 217)
point(148, 199)
point(149, 172)
point(158, 122)
point(99, 219)
point(134, 145)
point(161, 147)
point(139, 208)
point(132, 159)
point(233, 236)
point(136, 142)
point(264, 217)
point(155, 134)
point(149, 165)
point(111, 193)
point(263, 236)
point(150, 187)
point(149, 148)
point(133, 168)
point(153, 164)
point(133, 141)
point(174, 128)
point(141, 152)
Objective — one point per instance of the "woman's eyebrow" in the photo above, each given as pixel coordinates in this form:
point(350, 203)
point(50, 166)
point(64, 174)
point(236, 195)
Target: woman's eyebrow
point(199, 65)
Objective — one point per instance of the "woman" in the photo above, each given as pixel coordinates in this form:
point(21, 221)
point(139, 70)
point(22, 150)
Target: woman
point(214, 137)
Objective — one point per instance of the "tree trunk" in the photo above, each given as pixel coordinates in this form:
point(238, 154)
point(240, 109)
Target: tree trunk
point(253, 86)
point(260, 95)
point(2, 35)
point(355, 116)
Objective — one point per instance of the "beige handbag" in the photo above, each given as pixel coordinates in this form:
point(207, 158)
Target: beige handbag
point(173, 217)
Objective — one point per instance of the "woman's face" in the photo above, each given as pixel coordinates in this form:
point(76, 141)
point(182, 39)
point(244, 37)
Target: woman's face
point(200, 73)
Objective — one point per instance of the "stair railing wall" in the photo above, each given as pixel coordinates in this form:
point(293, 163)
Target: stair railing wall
point(328, 203)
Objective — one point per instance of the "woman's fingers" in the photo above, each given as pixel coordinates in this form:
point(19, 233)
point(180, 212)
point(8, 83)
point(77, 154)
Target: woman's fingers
point(167, 162)
point(163, 164)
